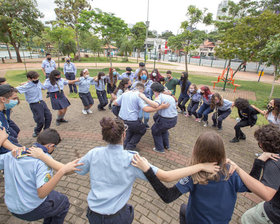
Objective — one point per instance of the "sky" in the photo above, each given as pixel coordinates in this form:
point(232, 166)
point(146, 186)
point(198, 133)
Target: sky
point(163, 14)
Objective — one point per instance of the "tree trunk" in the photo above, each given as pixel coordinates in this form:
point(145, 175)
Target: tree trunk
point(17, 52)
point(9, 52)
point(78, 45)
point(138, 54)
point(273, 84)
point(110, 57)
point(238, 69)
point(186, 61)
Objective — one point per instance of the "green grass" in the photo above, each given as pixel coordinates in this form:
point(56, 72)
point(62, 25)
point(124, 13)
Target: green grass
point(262, 90)
point(106, 60)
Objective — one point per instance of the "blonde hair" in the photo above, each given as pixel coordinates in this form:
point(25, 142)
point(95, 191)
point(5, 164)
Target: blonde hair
point(209, 147)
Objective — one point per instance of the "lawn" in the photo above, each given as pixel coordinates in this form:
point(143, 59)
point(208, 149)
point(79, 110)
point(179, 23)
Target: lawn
point(261, 90)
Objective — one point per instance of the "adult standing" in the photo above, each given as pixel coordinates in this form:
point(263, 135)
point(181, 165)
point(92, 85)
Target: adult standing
point(70, 72)
point(48, 65)
point(171, 82)
point(127, 74)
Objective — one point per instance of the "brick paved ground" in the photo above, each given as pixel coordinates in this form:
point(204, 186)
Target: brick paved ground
point(82, 133)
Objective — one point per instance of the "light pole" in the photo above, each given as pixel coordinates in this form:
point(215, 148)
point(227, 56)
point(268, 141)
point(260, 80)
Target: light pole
point(147, 28)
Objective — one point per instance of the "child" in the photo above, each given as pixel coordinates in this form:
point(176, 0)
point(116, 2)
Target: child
point(29, 184)
point(123, 86)
point(248, 117)
point(112, 80)
point(100, 91)
point(184, 97)
point(195, 97)
point(212, 196)
point(55, 84)
point(33, 95)
point(84, 83)
point(222, 109)
point(3, 81)
point(205, 108)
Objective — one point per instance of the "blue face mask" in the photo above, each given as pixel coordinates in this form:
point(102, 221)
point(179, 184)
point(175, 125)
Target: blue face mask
point(114, 73)
point(144, 77)
point(11, 104)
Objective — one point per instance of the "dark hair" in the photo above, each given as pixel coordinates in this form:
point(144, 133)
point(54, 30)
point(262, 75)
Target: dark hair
point(185, 79)
point(169, 72)
point(82, 73)
point(99, 77)
point(139, 84)
point(241, 103)
point(52, 76)
point(157, 87)
point(268, 137)
point(207, 91)
point(121, 85)
point(49, 136)
point(140, 73)
point(112, 130)
point(48, 54)
point(10, 93)
point(142, 64)
point(2, 80)
point(32, 75)
point(213, 102)
point(276, 107)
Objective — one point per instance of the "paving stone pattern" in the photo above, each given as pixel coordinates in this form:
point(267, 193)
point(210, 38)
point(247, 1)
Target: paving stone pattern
point(83, 133)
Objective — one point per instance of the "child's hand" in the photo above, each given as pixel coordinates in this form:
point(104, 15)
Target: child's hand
point(3, 133)
point(233, 166)
point(71, 166)
point(268, 155)
point(35, 152)
point(210, 167)
point(140, 162)
point(17, 151)
point(164, 105)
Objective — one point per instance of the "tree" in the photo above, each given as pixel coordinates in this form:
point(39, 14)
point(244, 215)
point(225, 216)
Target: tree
point(138, 36)
point(68, 48)
point(194, 16)
point(69, 11)
point(166, 34)
point(19, 21)
point(176, 43)
point(271, 55)
point(126, 46)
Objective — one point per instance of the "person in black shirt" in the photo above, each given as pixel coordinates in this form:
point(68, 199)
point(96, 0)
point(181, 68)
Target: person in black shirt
point(248, 117)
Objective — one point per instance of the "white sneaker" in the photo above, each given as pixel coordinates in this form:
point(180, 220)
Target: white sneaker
point(205, 124)
point(84, 111)
point(89, 111)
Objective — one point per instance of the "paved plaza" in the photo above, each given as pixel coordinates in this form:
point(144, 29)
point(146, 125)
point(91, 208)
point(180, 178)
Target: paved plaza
point(83, 133)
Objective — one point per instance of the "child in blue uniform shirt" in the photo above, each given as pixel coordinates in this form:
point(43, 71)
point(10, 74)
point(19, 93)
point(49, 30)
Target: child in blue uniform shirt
point(70, 72)
point(128, 74)
point(55, 84)
point(222, 109)
point(195, 97)
point(29, 184)
point(100, 90)
point(84, 84)
point(33, 95)
point(165, 119)
point(212, 196)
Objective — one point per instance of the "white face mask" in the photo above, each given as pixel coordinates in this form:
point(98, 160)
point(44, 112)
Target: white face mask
point(154, 74)
point(86, 76)
point(191, 90)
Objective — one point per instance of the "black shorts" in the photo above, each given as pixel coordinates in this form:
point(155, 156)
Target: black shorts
point(110, 89)
point(86, 99)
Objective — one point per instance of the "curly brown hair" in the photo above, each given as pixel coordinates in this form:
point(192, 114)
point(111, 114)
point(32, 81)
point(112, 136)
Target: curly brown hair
point(213, 103)
point(268, 137)
point(241, 103)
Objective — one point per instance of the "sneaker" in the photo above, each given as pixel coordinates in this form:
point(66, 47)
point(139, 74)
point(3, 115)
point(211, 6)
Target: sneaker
point(205, 123)
point(220, 128)
point(154, 149)
point(57, 122)
point(214, 126)
point(63, 120)
point(243, 137)
point(110, 106)
point(84, 111)
point(167, 148)
point(197, 120)
point(34, 135)
point(234, 140)
point(187, 115)
point(89, 111)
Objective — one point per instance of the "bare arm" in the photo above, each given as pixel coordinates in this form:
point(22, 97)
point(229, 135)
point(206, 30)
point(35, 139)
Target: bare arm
point(152, 109)
point(259, 110)
point(44, 71)
point(44, 190)
point(148, 101)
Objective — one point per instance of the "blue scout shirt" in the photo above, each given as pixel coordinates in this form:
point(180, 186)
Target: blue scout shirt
point(147, 88)
point(111, 177)
point(227, 105)
point(49, 66)
point(101, 86)
point(195, 97)
point(84, 84)
point(131, 104)
point(32, 91)
point(61, 82)
point(69, 68)
point(115, 78)
point(4, 117)
point(185, 93)
point(124, 75)
point(22, 179)
point(212, 203)
point(169, 112)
